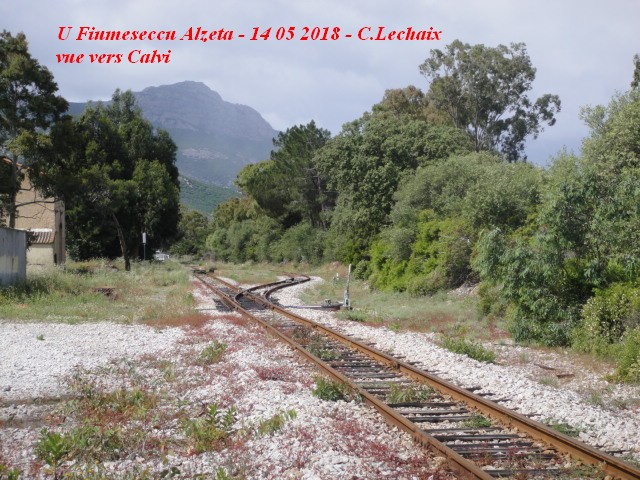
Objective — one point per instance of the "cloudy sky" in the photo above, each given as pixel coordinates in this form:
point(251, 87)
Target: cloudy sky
point(582, 50)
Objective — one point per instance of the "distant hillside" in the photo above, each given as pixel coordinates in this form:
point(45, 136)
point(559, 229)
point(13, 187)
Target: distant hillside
point(203, 197)
point(215, 138)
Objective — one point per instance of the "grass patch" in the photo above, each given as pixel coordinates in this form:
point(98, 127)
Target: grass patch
point(549, 381)
point(77, 294)
point(470, 349)
point(477, 422)
point(409, 393)
point(321, 349)
point(564, 428)
point(401, 311)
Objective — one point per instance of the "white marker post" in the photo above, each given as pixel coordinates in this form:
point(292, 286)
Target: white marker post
point(347, 302)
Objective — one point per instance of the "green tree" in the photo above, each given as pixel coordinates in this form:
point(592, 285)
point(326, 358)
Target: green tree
point(118, 178)
point(440, 211)
point(365, 164)
point(193, 230)
point(484, 91)
point(289, 186)
point(635, 81)
point(583, 238)
point(28, 107)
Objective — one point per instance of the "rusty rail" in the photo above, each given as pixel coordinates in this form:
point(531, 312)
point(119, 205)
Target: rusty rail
point(578, 450)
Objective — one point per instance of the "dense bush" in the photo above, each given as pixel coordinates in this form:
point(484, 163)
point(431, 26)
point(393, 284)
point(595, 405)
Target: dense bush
point(628, 369)
point(302, 243)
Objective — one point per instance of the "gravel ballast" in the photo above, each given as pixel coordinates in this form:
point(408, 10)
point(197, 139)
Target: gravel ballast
point(262, 379)
point(610, 429)
point(257, 376)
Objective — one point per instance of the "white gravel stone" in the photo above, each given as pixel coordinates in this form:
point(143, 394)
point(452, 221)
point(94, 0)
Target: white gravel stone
point(31, 368)
point(257, 375)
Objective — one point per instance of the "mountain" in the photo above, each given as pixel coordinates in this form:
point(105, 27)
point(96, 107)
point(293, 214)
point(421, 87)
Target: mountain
point(215, 138)
point(203, 197)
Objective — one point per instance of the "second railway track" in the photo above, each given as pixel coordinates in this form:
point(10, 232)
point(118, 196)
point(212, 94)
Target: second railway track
point(438, 414)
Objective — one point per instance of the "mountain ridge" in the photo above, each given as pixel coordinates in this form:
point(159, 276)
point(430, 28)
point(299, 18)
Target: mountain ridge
point(215, 138)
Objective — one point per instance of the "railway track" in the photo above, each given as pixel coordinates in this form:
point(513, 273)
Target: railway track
point(479, 438)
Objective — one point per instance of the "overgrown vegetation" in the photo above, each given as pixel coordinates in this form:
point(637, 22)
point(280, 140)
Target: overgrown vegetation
point(212, 353)
point(424, 194)
point(330, 390)
point(101, 290)
point(470, 349)
point(477, 421)
point(565, 429)
point(212, 430)
point(276, 422)
point(409, 393)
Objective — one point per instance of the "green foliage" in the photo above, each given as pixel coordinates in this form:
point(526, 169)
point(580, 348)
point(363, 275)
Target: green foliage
point(609, 314)
point(628, 368)
point(321, 349)
point(544, 288)
point(97, 442)
point(7, 473)
point(329, 390)
point(276, 422)
point(353, 315)
point(193, 230)
point(365, 162)
point(573, 268)
point(300, 243)
point(212, 353)
point(52, 448)
point(470, 349)
point(124, 180)
point(409, 393)
point(565, 429)
point(211, 431)
point(477, 421)
point(203, 197)
point(289, 187)
point(29, 106)
point(484, 91)
point(432, 256)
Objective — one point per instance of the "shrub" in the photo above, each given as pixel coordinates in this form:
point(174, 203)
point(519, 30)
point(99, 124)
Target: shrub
point(212, 353)
point(628, 369)
point(611, 311)
point(275, 423)
point(329, 390)
point(301, 243)
point(212, 430)
point(52, 448)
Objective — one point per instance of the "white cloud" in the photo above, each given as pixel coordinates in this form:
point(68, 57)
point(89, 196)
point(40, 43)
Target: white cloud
point(582, 50)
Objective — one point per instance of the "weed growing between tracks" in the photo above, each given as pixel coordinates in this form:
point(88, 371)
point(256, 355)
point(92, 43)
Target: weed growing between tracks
point(330, 390)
